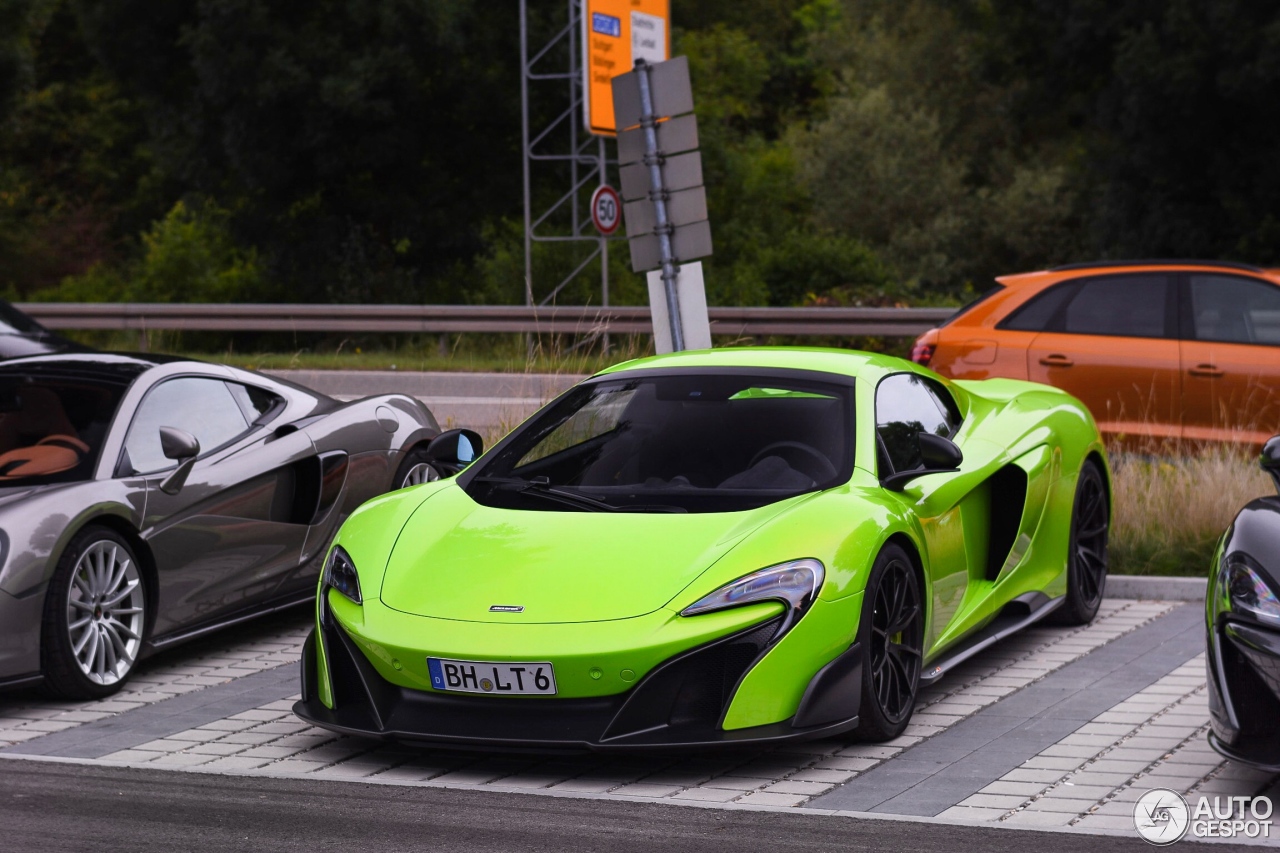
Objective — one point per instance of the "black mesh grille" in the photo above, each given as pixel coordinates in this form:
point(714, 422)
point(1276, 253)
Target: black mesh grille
point(693, 689)
point(1256, 705)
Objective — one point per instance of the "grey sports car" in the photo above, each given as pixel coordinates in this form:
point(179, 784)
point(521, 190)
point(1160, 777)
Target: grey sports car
point(147, 500)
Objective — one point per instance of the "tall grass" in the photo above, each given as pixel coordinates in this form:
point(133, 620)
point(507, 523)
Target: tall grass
point(1171, 509)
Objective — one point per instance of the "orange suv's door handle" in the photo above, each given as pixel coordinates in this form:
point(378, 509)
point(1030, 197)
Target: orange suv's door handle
point(1056, 361)
point(1209, 370)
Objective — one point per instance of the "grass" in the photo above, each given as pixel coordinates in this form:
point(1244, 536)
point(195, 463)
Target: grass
point(1171, 510)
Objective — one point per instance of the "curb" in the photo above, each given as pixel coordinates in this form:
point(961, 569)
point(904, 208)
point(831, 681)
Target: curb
point(1156, 588)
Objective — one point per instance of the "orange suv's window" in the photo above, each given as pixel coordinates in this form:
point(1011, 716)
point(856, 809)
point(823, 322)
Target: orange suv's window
point(1130, 306)
point(1039, 313)
point(1237, 310)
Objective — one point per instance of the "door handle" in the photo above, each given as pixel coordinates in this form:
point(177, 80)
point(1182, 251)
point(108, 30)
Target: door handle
point(1209, 370)
point(1056, 361)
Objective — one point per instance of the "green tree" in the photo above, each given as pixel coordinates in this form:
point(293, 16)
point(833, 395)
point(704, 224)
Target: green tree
point(74, 173)
point(359, 146)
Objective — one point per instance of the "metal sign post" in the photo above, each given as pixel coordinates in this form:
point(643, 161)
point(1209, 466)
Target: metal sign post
point(657, 193)
point(665, 203)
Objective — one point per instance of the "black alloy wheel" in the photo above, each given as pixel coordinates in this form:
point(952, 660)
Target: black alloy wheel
point(1087, 555)
point(892, 634)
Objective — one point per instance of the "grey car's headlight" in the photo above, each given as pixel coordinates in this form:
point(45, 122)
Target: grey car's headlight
point(795, 584)
point(340, 574)
point(1246, 592)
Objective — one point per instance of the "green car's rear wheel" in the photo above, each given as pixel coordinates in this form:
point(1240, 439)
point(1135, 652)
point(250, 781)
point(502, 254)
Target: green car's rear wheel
point(1087, 552)
point(891, 634)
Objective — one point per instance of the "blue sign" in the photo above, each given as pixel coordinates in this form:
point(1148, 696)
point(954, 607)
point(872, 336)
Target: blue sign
point(606, 25)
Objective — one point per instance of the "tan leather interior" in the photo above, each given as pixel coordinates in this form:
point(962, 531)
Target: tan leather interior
point(37, 461)
point(43, 425)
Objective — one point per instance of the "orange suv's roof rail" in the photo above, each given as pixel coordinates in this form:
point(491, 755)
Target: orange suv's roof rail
point(1165, 262)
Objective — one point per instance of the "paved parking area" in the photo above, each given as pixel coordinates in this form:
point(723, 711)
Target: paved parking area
point(1054, 728)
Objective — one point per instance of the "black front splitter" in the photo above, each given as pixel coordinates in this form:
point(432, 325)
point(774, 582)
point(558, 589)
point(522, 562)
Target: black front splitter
point(666, 739)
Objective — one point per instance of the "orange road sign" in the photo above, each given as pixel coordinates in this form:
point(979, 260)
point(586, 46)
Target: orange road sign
point(615, 34)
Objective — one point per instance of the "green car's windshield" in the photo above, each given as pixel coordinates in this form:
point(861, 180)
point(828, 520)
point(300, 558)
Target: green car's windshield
point(674, 443)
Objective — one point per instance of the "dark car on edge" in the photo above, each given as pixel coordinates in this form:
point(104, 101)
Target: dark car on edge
point(1243, 621)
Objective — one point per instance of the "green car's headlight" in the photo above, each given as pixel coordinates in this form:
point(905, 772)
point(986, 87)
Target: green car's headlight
point(340, 573)
point(795, 584)
point(1248, 593)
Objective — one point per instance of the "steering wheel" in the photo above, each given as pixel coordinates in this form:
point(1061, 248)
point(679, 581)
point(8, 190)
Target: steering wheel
point(819, 466)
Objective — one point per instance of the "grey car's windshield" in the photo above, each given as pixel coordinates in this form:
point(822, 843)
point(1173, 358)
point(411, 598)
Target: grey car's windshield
point(52, 428)
point(675, 443)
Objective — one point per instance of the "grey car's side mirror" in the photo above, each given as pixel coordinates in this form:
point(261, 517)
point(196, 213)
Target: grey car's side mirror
point(936, 452)
point(183, 447)
point(454, 449)
point(1270, 459)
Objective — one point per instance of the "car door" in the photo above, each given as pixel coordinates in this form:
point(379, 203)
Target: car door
point(1230, 358)
point(226, 540)
point(1111, 341)
point(952, 516)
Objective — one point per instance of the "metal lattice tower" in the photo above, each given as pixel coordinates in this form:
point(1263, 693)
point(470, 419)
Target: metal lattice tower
point(560, 153)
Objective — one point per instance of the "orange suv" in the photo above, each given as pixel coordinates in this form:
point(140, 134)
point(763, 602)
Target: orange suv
point(1163, 350)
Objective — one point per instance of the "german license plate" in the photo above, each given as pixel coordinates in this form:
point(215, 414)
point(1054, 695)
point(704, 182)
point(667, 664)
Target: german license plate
point(479, 676)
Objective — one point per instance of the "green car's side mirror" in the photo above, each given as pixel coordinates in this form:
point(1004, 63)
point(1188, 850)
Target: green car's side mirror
point(182, 447)
point(454, 449)
point(937, 453)
point(1270, 459)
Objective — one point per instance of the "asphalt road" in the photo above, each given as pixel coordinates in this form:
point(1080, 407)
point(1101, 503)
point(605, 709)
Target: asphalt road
point(55, 807)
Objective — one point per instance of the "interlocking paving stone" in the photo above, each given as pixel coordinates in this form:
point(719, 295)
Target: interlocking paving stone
point(163, 718)
point(929, 778)
point(774, 777)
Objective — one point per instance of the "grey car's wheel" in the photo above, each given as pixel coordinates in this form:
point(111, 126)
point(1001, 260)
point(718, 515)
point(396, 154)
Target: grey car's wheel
point(415, 470)
point(892, 638)
point(95, 616)
point(1087, 557)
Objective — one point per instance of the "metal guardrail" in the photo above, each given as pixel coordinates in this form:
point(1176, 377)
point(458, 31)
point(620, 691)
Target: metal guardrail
point(443, 319)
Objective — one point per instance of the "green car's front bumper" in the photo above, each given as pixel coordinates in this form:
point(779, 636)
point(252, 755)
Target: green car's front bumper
point(683, 701)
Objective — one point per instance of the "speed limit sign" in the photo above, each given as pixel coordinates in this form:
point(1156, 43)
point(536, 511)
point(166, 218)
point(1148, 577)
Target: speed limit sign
point(606, 209)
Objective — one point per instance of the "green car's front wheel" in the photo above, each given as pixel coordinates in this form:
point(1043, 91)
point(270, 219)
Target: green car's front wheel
point(892, 634)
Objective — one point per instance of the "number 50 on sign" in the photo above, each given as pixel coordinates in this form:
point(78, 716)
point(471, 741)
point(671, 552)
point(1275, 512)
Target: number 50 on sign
point(606, 209)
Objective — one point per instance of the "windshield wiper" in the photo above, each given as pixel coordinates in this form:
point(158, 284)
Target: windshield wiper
point(541, 486)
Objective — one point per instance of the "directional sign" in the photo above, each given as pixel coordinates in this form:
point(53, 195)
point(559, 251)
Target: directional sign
point(683, 208)
point(680, 172)
point(670, 87)
point(674, 135)
point(687, 243)
point(606, 209)
point(615, 34)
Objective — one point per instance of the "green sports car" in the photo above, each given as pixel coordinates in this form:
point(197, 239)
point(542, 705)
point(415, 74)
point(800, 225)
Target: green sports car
point(711, 548)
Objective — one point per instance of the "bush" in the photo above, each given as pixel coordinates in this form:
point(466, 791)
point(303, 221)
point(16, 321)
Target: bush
point(188, 256)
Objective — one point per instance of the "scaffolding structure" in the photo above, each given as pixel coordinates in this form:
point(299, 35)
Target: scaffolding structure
point(562, 153)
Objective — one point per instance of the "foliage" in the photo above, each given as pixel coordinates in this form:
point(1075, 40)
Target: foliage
point(74, 175)
point(855, 151)
point(358, 145)
point(188, 256)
